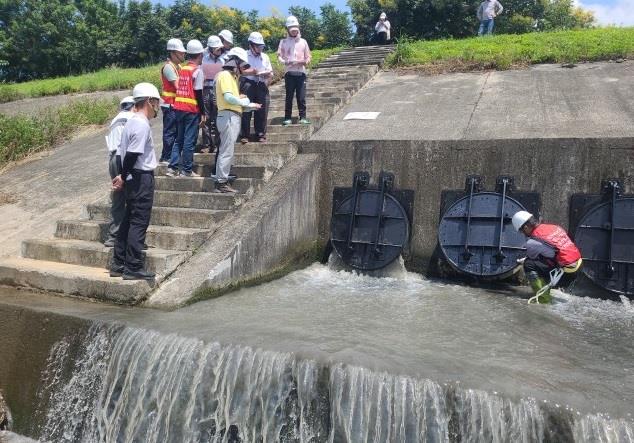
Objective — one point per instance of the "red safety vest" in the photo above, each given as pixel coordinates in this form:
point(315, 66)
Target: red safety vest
point(556, 237)
point(169, 91)
point(185, 97)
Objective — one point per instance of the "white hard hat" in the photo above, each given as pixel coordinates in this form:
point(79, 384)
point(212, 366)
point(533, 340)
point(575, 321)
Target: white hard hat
point(174, 44)
point(383, 15)
point(214, 42)
point(145, 90)
point(129, 100)
point(292, 22)
point(195, 47)
point(256, 38)
point(227, 35)
point(520, 218)
point(239, 53)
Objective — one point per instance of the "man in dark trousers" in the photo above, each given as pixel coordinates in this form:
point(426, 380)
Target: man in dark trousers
point(138, 162)
point(113, 140)
point(548, 248)
point(169, 79)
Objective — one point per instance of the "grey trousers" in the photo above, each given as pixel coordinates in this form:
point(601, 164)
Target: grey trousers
point(117, 208)
point(229, 127)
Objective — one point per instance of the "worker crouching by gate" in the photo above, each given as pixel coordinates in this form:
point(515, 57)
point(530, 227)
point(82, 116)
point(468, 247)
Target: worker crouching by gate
point(550, 255)
point(138, 163)
point(256, 88)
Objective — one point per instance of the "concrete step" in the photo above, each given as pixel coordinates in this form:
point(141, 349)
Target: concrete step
point(162, 237)
point(71, 279)
point(203, 184)
point(170, 216)
point(253, 158)
point(198, 200)
point(272, 147)
point(282, 138)
point(316, 122)
point(96, 255)
point(276, 118)
point(279, 103)
point(242, 171)
point(350, 63)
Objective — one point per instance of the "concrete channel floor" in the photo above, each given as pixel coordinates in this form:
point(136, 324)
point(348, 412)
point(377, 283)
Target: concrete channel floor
point(544, 101)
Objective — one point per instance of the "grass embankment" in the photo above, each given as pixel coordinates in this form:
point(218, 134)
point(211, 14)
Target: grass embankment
point(514, 51)
point(109, 79)
point(23, 135)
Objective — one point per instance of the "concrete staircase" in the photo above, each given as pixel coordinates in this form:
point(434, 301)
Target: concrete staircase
point(186, 213)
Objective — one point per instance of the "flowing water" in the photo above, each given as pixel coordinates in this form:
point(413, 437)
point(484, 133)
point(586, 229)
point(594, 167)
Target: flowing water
point(327, 355)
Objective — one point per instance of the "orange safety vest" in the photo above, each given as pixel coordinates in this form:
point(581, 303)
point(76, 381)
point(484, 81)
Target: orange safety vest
point(169, 91)
point(556, 237)
point(185, 97)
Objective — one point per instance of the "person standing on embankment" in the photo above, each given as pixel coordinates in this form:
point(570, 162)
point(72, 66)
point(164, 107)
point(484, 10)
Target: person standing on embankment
point(138, 162)
point(383, 29)
point(169, 79)
point(189, 106)
point(230, 106)
point(256, 88)
point(488, 10)
point(211, 66)
point(548, 247)
point(293, 52)
point(113, 141)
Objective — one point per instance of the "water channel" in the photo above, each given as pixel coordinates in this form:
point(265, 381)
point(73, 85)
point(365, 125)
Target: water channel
point(329, 355)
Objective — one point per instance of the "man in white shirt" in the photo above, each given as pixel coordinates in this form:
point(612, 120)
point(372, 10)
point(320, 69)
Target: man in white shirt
point(113, 140)
point(256, 88)
point(138, 162)
point(488, 10)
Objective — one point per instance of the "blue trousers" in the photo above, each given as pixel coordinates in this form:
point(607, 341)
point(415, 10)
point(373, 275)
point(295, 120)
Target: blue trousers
point(169, 132)
point(486, 27)
point(186, 137)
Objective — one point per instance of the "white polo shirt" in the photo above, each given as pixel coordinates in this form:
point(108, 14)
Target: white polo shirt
point(113, 139)
point(137, 137)
point(262, 65)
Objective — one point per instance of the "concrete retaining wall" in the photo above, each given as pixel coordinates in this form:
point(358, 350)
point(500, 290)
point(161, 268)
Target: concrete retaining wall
point(557, 168)
point(265, 234)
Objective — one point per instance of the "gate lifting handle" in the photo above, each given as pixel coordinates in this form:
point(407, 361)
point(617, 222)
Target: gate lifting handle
point(614, 187)
point(355, 190)
point(500, 255)
point(467, 254)
point(379, 221)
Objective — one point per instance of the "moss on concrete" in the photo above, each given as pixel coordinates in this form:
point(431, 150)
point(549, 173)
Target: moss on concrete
point(301, 256)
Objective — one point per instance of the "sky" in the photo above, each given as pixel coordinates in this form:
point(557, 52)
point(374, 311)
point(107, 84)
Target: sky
point(607, 12)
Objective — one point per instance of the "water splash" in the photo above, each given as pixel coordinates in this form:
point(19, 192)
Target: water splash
point(127, 384)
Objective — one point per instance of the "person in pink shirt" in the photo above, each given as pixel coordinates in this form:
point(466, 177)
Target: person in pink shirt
point(294, 53)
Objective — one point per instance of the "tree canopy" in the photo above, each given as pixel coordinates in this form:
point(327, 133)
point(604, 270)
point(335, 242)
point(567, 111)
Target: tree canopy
point(48, 38)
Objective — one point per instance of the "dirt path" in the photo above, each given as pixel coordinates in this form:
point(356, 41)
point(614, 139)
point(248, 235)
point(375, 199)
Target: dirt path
point(39, 104)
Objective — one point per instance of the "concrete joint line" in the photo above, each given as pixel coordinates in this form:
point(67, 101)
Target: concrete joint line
point(475, 106)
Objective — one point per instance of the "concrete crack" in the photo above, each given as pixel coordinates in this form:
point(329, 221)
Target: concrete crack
point(475, 106)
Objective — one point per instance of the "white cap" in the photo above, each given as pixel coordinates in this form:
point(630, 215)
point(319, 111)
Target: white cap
point(195, 47)
point(227, 35)
point(383, 15)
point(129, 100)
point(145, 90)
point(256, 38)
point(239, 53)
point(214, 42)
point(292, 22)
point(520, 218)
point(174, 44)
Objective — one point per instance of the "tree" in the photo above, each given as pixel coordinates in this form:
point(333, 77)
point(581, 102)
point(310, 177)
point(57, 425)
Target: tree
point(335, 27)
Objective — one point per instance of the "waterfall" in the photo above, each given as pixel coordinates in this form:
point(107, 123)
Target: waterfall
point(121, 384)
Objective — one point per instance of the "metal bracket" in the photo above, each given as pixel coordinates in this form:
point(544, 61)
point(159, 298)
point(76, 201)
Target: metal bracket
point(474, 183)
point(504, 182)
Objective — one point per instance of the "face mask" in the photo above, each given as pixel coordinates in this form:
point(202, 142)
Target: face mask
point(155, 108)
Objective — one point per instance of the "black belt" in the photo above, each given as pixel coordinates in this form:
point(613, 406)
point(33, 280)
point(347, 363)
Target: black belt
point(142, 171)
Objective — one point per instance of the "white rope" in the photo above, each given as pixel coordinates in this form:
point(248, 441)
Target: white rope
point(555, 276)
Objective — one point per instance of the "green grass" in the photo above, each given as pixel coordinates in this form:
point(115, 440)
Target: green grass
point(508, 51)
point(108, 79)
point(24, 135)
